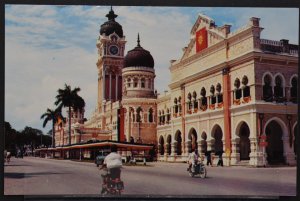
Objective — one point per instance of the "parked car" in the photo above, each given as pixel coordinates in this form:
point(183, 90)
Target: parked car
point(100, 157)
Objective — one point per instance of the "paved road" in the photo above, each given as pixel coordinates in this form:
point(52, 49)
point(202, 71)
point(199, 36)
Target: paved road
point(39, 176)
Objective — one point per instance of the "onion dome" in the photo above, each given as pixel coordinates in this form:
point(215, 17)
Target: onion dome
point(111, 25)
point(138, 57)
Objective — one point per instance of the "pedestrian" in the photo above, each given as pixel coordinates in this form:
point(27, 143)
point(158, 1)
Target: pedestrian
point(8, 155)
point(5, 155)
point(220, 162)
point(208, 158)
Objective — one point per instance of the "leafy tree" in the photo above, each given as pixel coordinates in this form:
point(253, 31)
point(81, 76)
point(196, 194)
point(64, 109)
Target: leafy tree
point(10, 136)
point(54, 116)
point(30, 136)
point(69, 98)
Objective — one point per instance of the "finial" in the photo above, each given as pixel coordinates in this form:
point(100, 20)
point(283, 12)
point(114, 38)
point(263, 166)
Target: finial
point(111, 15)
point(138, 40)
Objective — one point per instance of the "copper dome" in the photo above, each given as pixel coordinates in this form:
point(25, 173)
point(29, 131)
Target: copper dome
point(138, 57)
point(111, 25)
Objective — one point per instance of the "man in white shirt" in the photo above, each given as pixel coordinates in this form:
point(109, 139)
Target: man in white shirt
point(192, 159)
point(113, 163)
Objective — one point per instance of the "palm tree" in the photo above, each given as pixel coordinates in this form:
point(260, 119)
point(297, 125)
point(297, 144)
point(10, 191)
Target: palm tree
point(69, 98)
point(54, 116)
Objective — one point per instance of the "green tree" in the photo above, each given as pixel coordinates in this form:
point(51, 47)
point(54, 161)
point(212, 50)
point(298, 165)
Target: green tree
point(30, 136)
point(10, 137)
point(70, 98)
point(54, 116)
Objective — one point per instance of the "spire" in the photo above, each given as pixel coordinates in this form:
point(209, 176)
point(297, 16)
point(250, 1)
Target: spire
point(111, 15)
point(138, 40)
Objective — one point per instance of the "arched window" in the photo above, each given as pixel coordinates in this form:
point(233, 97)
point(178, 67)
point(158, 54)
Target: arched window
point(220, 95)
point(195, 102)
point(246, 88)
point(161, 145)
point(131, 114)
point(278, 89)
point(213, 97)
point(143, 82)
point(128, 82)
point(175, 106)
point(189, 101)
point(159, 117)
point(150, 117)
point(138, 114)
point(237, 90)
point(135, 82)
point(267, 89)
point(294, 89)
point(203, 99)
point(163, 117)
point(168, 116)
point(179, 104)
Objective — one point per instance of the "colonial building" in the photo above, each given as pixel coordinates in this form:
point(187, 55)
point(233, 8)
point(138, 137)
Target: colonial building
point(230, 92)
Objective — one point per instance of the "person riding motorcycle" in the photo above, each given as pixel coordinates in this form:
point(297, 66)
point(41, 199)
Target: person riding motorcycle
point(193, 159)
point(112, 163)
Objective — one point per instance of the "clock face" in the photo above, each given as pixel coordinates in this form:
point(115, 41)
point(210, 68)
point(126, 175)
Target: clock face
point(113, 50)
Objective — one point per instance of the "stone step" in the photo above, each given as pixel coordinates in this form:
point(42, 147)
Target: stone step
point(241, 163)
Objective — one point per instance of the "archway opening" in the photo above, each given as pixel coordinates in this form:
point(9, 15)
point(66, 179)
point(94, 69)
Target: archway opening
point(193, 138)
point(244, 143)
point(169, 142)
point(203, 142)
point(274, 149)
point(161, 145)
point(217, 144)
point(179, 143)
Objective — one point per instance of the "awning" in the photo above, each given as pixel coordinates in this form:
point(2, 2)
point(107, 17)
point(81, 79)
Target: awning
point(107, 143)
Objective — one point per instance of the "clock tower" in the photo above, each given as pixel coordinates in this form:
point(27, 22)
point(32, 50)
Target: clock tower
point(111, 46)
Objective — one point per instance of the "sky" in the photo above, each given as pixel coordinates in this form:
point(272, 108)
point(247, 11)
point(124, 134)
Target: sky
point(48, 46)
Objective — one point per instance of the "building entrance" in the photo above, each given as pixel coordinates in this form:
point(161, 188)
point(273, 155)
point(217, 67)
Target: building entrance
point(275, 144)
point(244, 144)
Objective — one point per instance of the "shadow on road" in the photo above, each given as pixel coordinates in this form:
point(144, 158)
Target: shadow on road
point(18, 175)
point(14, 165)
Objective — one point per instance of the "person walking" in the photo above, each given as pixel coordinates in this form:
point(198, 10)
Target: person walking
point(220, 162)
point(208, 158)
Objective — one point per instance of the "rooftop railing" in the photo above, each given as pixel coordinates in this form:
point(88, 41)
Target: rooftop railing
point(281, 46)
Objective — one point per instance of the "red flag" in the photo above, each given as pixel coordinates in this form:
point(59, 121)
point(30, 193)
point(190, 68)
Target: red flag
point(201, 39)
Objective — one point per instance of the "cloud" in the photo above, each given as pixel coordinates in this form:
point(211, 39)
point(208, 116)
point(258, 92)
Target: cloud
point(48, 46)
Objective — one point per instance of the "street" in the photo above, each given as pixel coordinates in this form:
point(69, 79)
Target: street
point(40, 176)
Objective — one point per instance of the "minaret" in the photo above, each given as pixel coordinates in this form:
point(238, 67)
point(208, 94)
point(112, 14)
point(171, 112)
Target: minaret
point(139, 98)
point(111, 46)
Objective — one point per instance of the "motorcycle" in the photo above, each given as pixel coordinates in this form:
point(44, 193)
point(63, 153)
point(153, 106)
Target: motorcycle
point(197, 169)
point(111, 186)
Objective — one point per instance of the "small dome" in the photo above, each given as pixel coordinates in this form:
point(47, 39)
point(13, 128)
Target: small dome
point(138, 57)
point(111, 25)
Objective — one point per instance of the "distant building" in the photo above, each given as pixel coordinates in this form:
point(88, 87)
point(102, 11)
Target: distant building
point(230, 92)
